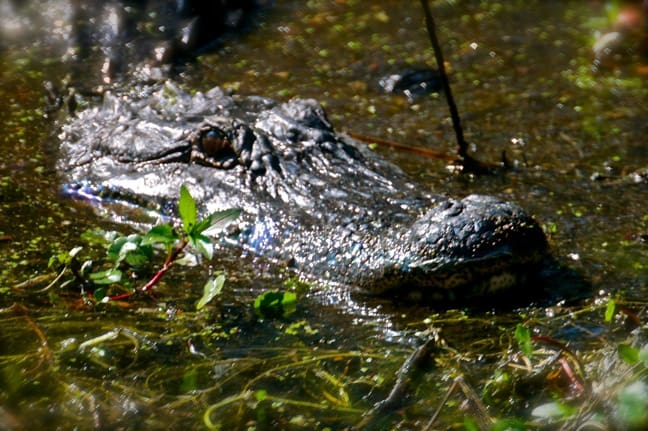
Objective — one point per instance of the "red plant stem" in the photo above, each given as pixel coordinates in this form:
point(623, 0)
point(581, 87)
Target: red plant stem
point(171, 258)
point(167, 264)
point(553, 342)
point(564, 364)
point(567, 369)
point(395, 145)
point(158, 275)
point(122, 296)
point(634, 318)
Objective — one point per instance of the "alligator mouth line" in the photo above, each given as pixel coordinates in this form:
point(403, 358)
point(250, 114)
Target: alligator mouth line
point(180, 154)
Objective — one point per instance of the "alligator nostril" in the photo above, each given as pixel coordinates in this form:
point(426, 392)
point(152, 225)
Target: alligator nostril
point(215, 143)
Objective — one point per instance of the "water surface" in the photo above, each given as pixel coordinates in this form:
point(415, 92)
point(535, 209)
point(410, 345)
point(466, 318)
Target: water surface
point(523, 79)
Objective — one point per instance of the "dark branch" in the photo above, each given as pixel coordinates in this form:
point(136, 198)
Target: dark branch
point(468, 163)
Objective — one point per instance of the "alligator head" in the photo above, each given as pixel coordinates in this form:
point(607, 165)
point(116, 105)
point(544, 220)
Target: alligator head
point(337, 211)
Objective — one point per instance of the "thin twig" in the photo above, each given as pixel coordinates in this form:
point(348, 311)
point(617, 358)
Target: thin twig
point(469, 393)
point(467, 162)
point(567, 369)
point(38, 280)
point(395, 145)
point(462, 151)
point(405, 376)
point(484, 417)
point(444, 401)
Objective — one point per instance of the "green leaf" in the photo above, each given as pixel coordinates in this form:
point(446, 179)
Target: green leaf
point(523, 337)
point(643, 355)
point(289, 303)
point(212, 289)
point(54, 259)
point(114, 250)
point(64, 258)
point(203, 244)
point(274, 304)
point(294, 284)
point(261, 395)
point(300, 327)
point(629, 354)
point(99, 294)
point(109, 276)
point(550, 410)
point(121, 246)
point(610, 310)
point(187, 259)
point(129, 249)
point(509, 424)
point(140, 256)
point(162, 234)
point(187, 209)
point(214, 223)
point(189, 380)
point(470, 424)
point(633, 406)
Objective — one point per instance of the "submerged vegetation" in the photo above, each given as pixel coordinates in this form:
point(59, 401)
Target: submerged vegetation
point(165, 373)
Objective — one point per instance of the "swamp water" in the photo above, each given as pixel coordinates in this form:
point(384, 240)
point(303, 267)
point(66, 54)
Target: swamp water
point(522, 76)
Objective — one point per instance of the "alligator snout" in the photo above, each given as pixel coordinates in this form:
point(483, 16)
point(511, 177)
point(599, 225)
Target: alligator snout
point(459, 249)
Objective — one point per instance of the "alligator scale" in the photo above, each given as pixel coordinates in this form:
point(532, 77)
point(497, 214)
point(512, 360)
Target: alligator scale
point(333, 209)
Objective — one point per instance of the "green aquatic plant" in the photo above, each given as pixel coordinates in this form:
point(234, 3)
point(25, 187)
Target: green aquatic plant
point(135, 253)
point(272, 304)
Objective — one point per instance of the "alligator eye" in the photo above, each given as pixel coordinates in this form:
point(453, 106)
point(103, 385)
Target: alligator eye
point(215, 143)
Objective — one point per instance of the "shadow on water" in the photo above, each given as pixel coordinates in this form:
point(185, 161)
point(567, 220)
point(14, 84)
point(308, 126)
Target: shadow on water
point(527, 89)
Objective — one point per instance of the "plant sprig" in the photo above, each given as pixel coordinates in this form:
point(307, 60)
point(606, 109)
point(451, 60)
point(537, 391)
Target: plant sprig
point(135, 252)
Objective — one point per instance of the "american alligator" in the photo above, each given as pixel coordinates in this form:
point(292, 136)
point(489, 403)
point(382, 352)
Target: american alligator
point(310, 196)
